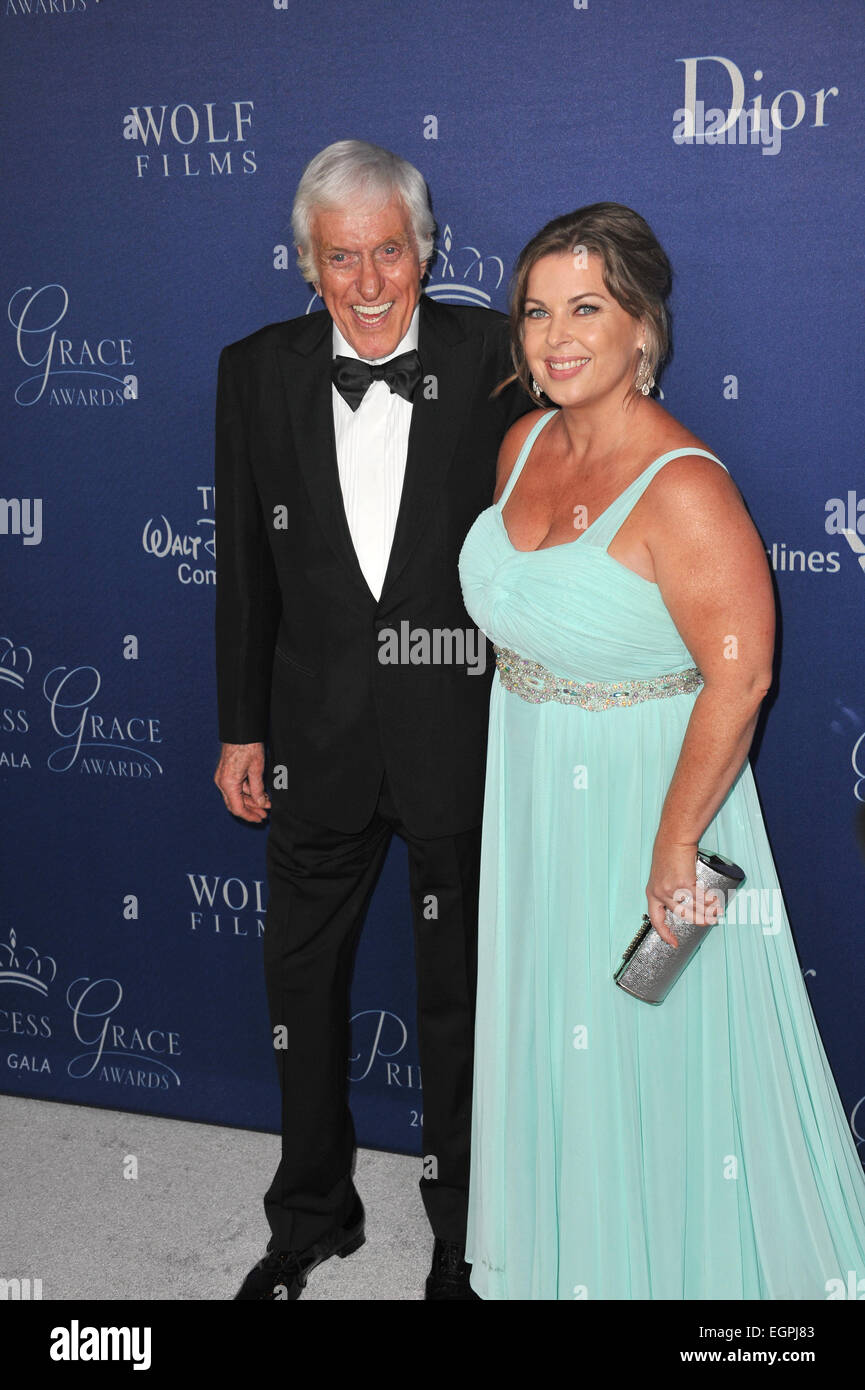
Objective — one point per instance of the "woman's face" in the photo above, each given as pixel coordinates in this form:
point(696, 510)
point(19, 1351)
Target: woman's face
point(580, 344)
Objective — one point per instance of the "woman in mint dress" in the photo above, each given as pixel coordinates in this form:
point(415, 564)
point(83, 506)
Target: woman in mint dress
point(698, 1149)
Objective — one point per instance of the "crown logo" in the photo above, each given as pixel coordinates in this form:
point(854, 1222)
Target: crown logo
point(462, 273)
point(15, 662)
point(35, 973)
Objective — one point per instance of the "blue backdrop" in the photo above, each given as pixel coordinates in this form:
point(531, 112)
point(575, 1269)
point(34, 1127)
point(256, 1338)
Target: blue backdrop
point(152, 150)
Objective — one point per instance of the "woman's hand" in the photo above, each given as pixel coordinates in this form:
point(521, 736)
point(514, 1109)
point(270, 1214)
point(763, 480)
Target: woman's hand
point(672, 883)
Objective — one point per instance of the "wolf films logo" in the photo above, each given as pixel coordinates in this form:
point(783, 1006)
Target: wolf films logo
point(185, 141)
point(73, 371)
point(697, 124)
point(227, 906)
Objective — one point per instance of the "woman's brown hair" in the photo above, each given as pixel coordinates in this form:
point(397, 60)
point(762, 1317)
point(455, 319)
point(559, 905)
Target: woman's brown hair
point(636, 273)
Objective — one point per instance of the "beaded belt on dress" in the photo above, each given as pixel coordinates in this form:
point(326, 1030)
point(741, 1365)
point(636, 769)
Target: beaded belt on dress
point(535, 683)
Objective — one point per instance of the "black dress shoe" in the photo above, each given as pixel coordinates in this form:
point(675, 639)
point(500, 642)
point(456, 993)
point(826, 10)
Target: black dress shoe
point(281, 1276)
point(449, 1276)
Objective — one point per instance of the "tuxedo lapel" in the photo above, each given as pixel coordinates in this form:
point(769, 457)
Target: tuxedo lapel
point(305, 367)
point(438, 410)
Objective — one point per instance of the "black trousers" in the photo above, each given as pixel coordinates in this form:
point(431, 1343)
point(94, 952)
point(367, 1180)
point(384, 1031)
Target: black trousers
point(321, 882)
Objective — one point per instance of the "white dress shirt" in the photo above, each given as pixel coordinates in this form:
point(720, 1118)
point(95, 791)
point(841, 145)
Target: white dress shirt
point(371, 448)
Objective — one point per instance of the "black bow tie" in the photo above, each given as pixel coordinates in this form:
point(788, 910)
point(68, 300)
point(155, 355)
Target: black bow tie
point(352, 378)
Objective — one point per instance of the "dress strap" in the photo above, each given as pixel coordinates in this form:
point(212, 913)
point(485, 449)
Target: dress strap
point(523, 455)
point(604, 527)
point(680, 453)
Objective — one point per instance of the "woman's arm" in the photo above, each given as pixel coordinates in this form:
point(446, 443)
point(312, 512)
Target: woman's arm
point(713, 576)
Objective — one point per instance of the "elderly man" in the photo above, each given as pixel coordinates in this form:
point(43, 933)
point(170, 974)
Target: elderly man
point(354, 449)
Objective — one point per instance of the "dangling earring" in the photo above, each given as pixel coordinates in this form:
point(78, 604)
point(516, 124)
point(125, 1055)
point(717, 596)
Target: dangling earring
point(536, 388)
point(644, 380)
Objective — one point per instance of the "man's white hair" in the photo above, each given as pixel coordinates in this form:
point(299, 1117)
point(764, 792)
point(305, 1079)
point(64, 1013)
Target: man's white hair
point(355, 172)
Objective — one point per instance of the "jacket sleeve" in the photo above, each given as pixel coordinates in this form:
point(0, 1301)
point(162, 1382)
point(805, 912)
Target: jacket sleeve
point(248, 605)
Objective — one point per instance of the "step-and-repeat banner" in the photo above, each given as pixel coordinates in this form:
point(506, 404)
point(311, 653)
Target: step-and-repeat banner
point(152, 149)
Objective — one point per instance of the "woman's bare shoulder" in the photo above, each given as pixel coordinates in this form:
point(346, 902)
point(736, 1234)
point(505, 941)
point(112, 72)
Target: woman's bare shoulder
point(690, 478)
point(690, 485)
point(510, 448)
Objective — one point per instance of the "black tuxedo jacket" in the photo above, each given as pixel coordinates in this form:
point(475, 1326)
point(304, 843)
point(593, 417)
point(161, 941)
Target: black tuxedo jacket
point(297, 628)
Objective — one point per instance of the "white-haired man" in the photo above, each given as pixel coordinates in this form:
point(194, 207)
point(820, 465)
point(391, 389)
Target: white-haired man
point(355, 447)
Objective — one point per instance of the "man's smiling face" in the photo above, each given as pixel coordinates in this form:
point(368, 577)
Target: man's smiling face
point(369, 273)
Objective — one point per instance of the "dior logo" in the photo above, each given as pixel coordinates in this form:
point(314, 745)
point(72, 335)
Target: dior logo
point(695, 124)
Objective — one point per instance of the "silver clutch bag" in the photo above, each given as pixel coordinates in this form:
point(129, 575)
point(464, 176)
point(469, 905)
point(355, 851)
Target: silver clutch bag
point(650, 967)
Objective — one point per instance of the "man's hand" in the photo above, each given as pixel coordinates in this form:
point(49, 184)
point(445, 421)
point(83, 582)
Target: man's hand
point(240, 778)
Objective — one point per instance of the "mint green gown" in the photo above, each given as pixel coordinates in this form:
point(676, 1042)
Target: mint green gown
point(693, 1150)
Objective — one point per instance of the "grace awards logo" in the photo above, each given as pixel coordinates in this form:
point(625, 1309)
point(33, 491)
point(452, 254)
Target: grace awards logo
point(109, 1045)
point(97, 744)
point(211, 138)
point(118, 1050)
point(74, 371)
point(849, 724)
point(35, 8)
point(857, 759)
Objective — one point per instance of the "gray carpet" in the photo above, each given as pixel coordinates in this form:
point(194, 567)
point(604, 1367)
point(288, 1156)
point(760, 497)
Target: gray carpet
point(192, 1224)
